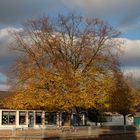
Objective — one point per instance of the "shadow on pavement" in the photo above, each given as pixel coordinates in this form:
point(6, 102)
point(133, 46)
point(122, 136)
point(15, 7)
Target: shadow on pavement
point(113, 133)
point(119, 133)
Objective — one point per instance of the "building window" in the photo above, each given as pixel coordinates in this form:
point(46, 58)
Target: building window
point(109, 118)
point(31, 118)
point(22, 117)
point(50, 118)
point(38, 117)
point(9, 117)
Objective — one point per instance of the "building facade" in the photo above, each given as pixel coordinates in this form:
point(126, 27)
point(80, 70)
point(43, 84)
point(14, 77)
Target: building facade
point(27, 119)
point(37, 119)
point(40, 119)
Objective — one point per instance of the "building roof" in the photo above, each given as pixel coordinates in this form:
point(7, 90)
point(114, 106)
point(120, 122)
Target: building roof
point(4, 94)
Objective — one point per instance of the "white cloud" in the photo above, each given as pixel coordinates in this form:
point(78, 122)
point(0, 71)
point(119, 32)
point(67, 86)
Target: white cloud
point(5, 41)
point(3, 82)
point(4, 87)
point(131, 55)
point(6, 56)
point(132, 71)
point(130, 58)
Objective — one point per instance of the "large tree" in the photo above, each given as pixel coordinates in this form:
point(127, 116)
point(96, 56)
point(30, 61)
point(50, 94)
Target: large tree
point(63, 63)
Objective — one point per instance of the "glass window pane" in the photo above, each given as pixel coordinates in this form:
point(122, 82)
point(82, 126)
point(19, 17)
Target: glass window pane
point(12, 113)
point(50, 118)
point(22, 117)
point(5, 117)
point(5, 112)
point(12, 117)
point(38, 117)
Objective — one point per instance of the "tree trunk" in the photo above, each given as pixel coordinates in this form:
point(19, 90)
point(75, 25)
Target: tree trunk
point(67, 120)
point(124, 118)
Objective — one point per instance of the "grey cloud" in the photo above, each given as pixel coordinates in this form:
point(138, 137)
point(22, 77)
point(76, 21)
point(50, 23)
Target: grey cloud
point(130, 19)
point(3, 82)
point(6, 56)
point(131, 62)
point(127, 12)
point(4, 87)
point(12, 11)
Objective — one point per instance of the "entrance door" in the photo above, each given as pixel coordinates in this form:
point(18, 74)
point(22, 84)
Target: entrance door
point(31, 119)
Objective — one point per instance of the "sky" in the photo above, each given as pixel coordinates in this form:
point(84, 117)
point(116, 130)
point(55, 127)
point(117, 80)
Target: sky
point(124, 15)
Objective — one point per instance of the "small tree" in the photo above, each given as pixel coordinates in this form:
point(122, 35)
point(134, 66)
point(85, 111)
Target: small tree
point(121, 99)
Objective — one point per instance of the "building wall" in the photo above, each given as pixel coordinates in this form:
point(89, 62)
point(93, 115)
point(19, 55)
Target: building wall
point(114, 120)
point(118, 120)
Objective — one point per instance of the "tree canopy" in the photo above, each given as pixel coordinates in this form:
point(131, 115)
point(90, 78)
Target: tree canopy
point(122, 97)
point(63, 63)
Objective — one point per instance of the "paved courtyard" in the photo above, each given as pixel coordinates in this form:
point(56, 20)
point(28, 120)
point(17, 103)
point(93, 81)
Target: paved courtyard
point(71, 133)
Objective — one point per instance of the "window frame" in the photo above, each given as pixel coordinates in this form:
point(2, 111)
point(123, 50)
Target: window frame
point(8, 119)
